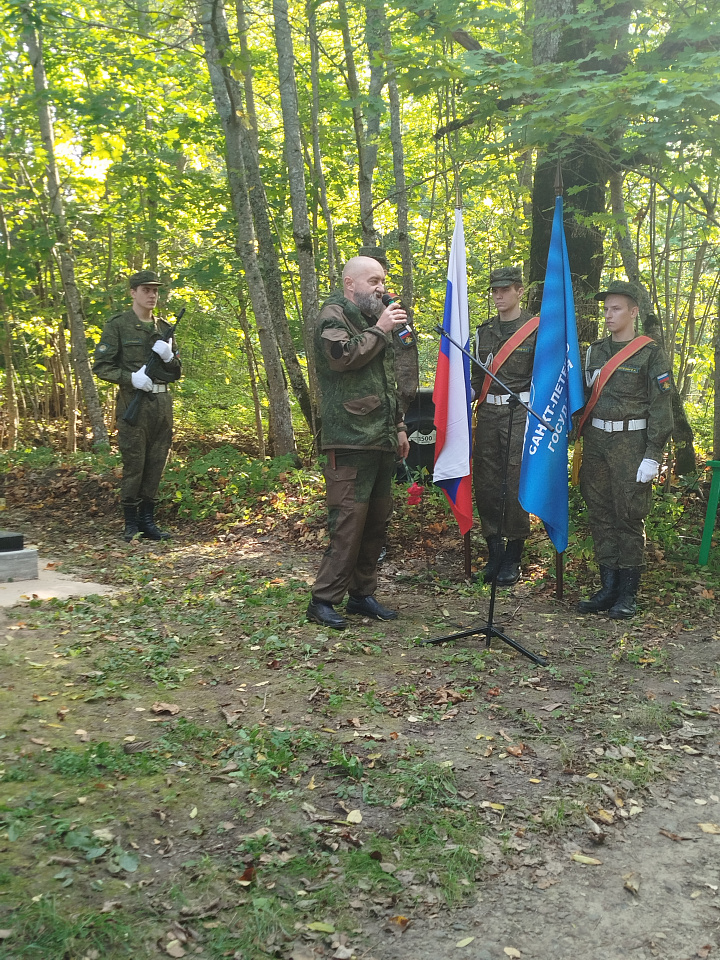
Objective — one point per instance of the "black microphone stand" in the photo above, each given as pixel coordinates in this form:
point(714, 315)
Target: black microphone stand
point(489, 630)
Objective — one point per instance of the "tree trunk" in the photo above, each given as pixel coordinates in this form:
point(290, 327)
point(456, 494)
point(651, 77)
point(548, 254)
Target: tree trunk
point(11, 406)
point(80, 356)
point(682, 431)
point(226, 94)
point(252, 373)
point(266, 252)
point(332, 252)
point(366, 148)
point(296, 179)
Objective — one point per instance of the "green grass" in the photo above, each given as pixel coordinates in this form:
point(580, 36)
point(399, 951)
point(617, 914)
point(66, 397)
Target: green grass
point(45, 930)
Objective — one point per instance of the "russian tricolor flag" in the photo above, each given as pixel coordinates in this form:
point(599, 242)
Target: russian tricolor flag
point(451, 396)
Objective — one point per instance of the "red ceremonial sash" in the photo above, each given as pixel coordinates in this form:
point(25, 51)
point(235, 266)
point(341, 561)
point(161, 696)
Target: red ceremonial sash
point(607, 371)
point(507, 348)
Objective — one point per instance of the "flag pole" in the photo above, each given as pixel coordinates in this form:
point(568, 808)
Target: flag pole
point(559, 557)
point(467, 546)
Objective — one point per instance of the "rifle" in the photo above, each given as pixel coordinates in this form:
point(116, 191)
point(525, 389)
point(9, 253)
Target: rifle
point(133, 408)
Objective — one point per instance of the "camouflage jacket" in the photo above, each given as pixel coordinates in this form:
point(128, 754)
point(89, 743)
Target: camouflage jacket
point(126, 344)
point(516, 372)
point(641, 388)
point(356, 374)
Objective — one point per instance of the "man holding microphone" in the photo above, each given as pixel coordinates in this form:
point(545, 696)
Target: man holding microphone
point(362, 433)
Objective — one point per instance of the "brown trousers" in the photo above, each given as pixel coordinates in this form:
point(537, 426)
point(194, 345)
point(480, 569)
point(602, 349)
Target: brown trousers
point(144, 447)
point(359, 502)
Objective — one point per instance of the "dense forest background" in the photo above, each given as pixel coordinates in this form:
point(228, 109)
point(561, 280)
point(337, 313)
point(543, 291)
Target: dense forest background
point(245, 150)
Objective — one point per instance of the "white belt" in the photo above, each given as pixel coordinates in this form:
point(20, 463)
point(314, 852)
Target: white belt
point(500, 398)
point(159, 388)
point(615, 426)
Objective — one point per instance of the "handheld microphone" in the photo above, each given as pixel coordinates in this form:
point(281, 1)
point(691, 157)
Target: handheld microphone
point(406, 334)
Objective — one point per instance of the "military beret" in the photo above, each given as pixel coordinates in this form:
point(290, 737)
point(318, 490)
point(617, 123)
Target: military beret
point(505, 277)
point(621, 287)
point(375, 253)
point(144, 278)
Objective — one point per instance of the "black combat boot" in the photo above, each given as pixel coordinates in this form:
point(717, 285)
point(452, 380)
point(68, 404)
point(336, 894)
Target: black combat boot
point(130, 512)
point(626, 604)
point(606, 595)
point(496, 552)
point(146, 523)
point(509, 572)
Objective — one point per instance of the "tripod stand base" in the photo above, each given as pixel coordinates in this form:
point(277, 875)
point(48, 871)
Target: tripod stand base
point(489, 632)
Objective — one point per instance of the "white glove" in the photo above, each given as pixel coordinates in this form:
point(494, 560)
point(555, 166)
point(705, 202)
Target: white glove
point(164, 350)
point(141, 381)
point(647, 470)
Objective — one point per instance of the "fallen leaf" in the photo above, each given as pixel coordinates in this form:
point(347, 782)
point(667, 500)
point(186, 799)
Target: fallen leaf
point(512, 952)
point(354, 817)
point(709, 827)
point(388, 867)
point(39, 741)
point(632, 883)
point(589, 861)
point(193, 813)
point(321, 927)
point(4, 934)
point(247, 876)
point(343, 953)
point(673, 836)
point(171, 708)
point(311, 783)
point(111, 905)
point(464, 942)
point(83, 734)
point(400, 921)
point(516, 751)
point(174, 949)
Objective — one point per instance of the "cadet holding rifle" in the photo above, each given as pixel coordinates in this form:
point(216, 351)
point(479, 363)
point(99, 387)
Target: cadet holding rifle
point(129, 341)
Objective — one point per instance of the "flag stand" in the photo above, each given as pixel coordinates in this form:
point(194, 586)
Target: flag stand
point(489, 630)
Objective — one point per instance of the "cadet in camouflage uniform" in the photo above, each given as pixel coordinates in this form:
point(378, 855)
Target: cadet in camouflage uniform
point(120, 357)
point(491, 431)
point(362, 433)
point(623, 443)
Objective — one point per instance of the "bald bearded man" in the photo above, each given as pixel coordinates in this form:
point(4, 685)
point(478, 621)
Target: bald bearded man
point(362, 433)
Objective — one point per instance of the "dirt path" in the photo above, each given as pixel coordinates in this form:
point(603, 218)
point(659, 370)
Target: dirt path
point(272, 791)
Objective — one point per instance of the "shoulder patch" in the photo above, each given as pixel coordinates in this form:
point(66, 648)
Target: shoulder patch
point(664, 382)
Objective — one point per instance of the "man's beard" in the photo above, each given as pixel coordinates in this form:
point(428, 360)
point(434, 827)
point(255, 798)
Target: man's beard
point(369, 303)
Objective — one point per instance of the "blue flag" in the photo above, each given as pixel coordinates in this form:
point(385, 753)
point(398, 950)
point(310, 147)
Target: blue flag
point(556, 392)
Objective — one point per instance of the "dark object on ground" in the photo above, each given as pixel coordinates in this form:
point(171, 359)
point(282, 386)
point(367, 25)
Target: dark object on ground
point(496, 552)
point(626, 604)
point(369, 607)
point(146, 522)
point(326, 615)
point(11, 541)
point(605, 596)
point(130, 512)
point(509, 572)
point(419, 419)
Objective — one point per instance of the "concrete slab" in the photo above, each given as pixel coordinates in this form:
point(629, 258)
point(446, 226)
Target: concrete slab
point(50, 584)
point(18, 564)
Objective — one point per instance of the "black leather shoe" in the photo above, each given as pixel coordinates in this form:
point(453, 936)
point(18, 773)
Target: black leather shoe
point(369, 607)
point(326, 615)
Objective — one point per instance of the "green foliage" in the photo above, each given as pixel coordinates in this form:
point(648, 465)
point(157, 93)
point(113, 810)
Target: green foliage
point(223, 479)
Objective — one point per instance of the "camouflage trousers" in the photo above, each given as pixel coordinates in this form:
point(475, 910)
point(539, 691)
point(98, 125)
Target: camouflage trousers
point(144, 447)
point(489, 449)
point(359, 503)
point(617, 504)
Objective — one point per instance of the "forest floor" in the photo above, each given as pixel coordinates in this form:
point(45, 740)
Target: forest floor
point(189, 768)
